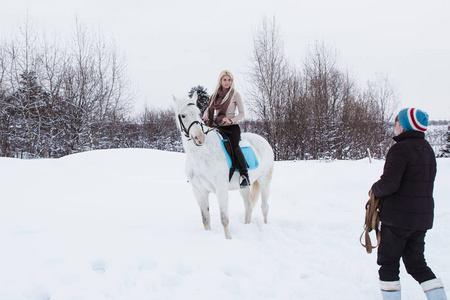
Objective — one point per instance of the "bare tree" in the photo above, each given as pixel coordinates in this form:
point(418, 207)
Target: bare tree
point(268, 77)
point(325, 90)
point(5, 108)
point(381, 96)
point(58, 98)
point(296, 119)
point(381, 91)
point(96, 88)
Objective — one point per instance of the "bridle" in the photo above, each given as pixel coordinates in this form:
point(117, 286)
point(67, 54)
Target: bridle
point(185, 130)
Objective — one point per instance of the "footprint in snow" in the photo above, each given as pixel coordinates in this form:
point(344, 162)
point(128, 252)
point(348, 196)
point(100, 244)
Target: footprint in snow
point(99, 266)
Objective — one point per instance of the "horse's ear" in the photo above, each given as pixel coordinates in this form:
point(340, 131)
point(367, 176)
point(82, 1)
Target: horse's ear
point(176, 100)
point(195, 96)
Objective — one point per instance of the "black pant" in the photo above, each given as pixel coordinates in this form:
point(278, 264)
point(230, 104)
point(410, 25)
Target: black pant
point(233, 132)
point(409, 245)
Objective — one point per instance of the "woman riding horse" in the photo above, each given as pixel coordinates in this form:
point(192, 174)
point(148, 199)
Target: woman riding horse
point(221, 111)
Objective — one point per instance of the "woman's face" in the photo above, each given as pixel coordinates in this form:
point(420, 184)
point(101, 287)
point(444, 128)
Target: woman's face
point(226, 82)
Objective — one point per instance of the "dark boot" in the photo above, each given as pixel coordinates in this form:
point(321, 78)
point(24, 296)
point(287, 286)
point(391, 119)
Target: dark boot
point(242, 166)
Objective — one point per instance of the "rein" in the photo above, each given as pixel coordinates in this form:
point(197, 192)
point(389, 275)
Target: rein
point(185, 130)
point(371, 222)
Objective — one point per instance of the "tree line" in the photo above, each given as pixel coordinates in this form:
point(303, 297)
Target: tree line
point(314, 109)
point(63, 97)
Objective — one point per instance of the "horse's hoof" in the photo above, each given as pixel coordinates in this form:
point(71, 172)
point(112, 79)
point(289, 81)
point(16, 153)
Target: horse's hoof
point(207, 225)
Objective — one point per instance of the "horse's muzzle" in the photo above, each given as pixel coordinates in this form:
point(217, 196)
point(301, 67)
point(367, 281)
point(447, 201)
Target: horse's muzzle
point(199, 140)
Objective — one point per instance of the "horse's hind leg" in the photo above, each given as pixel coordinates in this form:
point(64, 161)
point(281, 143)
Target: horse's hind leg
point(203, 202)
point(246, 195)
point(265, 190)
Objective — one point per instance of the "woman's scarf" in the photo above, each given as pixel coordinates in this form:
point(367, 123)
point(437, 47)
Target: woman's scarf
point(219, 102)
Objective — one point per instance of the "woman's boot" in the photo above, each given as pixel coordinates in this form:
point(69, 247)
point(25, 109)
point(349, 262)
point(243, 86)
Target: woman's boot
point(390, 290)
point(242, 166)
point(434, 289)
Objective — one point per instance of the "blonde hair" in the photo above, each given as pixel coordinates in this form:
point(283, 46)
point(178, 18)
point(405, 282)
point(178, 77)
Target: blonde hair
point(221, 75)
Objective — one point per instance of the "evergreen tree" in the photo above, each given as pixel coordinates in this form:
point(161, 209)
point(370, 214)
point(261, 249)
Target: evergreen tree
point(446, 151)
point(203, 97)
point(33, 119)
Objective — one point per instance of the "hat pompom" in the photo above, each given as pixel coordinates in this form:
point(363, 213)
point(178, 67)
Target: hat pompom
point(413, 119)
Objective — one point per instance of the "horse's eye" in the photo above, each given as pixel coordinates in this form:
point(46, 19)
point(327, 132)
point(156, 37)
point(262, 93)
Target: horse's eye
point(183, 116)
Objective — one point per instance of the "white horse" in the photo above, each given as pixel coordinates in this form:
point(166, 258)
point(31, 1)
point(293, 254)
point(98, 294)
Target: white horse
point(207, 169)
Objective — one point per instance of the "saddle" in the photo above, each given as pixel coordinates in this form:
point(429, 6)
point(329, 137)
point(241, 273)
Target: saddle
point(247, 150)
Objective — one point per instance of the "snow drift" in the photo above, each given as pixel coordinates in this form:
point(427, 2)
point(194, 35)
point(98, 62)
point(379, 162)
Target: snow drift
point(123, 224)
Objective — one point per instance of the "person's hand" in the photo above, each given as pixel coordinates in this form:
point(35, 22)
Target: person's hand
point(205, 118)
point(227, 121)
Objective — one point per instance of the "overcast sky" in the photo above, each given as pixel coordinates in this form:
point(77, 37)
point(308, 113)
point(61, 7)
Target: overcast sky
point(173, 45)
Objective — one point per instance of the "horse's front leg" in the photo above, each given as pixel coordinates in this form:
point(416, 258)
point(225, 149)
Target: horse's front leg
point(202, 197)
point(223, 204)
point(247, 197)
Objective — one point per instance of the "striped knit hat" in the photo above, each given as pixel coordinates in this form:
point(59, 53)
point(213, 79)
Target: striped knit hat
point(413, 119)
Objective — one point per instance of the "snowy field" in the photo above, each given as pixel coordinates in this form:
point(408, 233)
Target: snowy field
point(123, 224)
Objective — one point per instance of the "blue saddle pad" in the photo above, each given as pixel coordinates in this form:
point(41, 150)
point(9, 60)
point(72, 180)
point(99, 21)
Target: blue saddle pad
point(249, 154)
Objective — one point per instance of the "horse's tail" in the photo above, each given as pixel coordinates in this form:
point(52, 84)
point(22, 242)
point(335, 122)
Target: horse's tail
point(255, 192)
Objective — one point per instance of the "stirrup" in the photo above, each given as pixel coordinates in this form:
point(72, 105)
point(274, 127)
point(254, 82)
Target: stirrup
point(245, 182)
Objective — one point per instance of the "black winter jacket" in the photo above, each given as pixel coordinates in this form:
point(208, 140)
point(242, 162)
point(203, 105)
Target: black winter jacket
point(407, 183)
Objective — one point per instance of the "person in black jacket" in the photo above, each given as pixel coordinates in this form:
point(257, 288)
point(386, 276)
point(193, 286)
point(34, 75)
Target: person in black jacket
point(407, 207)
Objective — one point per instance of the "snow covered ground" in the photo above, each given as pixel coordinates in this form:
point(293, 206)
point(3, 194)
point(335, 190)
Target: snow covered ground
point(123, 224)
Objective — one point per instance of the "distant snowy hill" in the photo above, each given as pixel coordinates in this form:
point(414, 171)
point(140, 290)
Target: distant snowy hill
point(123, 224)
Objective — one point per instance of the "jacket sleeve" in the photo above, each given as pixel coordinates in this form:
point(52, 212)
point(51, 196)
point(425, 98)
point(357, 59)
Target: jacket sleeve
point(206, 113)
point(240, 107)
point(394, 168)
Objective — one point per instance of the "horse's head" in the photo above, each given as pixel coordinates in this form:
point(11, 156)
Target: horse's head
point(189, 120)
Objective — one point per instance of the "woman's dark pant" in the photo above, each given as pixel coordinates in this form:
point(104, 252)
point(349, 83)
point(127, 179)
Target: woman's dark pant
point(409, 245)
point(233, 132)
